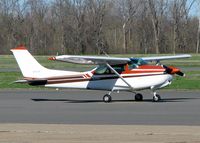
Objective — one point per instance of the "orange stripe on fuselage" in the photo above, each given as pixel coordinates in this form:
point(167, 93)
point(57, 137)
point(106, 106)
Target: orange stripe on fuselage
point(144, 69)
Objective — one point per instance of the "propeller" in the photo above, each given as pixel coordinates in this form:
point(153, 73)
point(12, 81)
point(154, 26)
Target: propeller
point(173, 70)
point(180, 73)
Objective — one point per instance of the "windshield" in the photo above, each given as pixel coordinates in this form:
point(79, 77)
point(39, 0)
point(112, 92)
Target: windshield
point(135, 62)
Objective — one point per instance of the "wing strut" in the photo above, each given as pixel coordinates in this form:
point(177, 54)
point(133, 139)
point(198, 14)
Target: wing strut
point(119, 76)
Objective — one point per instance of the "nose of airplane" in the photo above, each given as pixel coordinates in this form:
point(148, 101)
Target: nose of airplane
point(173, 70)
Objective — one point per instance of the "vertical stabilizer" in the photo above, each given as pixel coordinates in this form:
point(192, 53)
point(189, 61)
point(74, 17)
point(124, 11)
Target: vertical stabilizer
point(27, 63)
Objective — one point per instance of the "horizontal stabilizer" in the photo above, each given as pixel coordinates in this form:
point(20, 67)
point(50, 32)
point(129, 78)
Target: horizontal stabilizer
point(32, 81)
point(37, 82)
point(21, 81)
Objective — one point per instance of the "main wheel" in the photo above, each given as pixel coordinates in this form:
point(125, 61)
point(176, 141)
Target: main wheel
point(138, 97)
point(156, 98)
point(107, 98)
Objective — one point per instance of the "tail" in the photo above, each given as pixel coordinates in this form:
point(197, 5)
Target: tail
point(27, 63)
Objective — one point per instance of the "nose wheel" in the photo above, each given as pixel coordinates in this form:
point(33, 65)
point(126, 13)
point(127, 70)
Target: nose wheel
point(107, 98)
point(156, 97)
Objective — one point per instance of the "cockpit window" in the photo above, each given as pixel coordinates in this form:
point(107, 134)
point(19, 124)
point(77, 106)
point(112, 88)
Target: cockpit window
point(103, 69)
point(135, 62)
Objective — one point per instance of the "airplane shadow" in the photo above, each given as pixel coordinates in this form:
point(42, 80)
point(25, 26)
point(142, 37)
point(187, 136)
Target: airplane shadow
point(113, 101)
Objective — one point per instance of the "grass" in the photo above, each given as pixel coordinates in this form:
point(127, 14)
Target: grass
point(190, 81)
point(7, 79)
point(10, 72)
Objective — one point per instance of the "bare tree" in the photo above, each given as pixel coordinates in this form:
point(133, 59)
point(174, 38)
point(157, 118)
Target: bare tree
point(97, 26)
point(145, 30)
point(157, 9)
point(128, 9)
point(96, 10)
point(180, 12)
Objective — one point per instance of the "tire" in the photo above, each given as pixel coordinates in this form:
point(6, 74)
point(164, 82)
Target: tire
point(138, 97)
point(156, 98)
point(107, 98)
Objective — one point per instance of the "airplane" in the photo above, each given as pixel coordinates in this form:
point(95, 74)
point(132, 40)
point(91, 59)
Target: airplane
point(112, 73)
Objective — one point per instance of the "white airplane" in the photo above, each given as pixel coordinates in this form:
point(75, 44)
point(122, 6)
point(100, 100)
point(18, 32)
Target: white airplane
point(111, 74)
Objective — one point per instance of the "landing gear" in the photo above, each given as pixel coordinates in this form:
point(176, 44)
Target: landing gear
point(107, 98)
point(138, 97)
point(156, 97)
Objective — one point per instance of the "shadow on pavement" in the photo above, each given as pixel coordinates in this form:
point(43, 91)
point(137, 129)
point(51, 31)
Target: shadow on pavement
point(113, 101)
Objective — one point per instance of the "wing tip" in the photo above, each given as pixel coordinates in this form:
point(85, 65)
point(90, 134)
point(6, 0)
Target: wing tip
point(189, 56)
point(52, 58)
point(184, 55)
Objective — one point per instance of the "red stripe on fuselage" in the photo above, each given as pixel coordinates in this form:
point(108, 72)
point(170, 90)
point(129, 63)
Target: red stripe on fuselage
point(87, 75)
point(95, 79)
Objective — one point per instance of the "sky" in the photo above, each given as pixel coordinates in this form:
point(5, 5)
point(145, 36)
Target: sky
point(195, 9)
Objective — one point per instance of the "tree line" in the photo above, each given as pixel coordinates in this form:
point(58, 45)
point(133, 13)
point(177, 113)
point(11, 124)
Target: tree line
point(99, 26)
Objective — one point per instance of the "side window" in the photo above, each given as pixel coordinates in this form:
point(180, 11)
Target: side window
point(119, 68)
point(103, 69)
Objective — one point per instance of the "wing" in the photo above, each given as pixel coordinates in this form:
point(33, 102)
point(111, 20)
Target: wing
point(97, 60)
point(166, 57)
point(91, 59)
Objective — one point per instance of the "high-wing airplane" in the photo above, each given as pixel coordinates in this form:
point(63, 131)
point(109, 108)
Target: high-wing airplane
point(111, 74)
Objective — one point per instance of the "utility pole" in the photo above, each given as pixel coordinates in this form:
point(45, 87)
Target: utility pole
point(198, 33)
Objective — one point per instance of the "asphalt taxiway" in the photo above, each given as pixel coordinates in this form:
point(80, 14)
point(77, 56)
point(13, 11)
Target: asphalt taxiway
point(87, 107)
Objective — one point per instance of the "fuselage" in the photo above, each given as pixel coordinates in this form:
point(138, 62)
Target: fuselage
point(101, 78)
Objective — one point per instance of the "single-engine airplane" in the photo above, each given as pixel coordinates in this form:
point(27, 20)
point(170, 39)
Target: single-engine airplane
point(111, 74)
